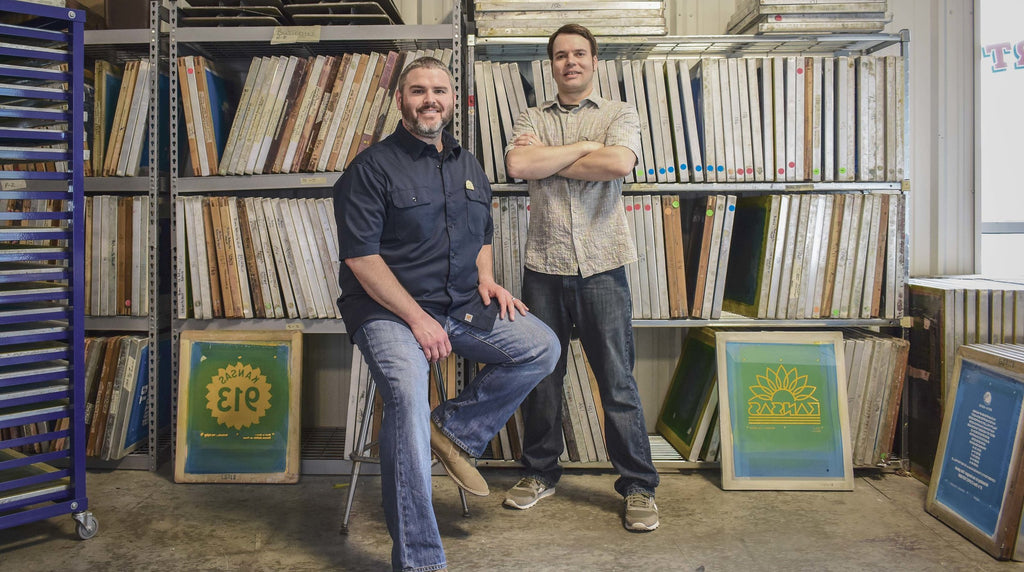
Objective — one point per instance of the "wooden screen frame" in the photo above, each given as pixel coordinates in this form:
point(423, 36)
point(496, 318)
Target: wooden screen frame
point(837, 417)
point(189, 468)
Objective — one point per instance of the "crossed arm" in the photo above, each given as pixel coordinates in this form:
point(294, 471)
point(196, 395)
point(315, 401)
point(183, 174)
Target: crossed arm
point(531, 159)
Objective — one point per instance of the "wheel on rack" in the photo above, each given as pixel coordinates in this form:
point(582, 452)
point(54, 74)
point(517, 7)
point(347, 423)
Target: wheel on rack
point(88, 526)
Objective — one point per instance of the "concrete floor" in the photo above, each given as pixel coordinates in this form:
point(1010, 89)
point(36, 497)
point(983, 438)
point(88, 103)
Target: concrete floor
point(149, 523)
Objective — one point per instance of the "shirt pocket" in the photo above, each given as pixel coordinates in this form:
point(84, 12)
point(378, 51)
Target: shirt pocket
point(478, 210)
point(411, 217)
point(594, 131)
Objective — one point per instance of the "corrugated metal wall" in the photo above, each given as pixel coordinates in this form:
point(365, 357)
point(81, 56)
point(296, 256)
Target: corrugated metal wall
point(426, 11)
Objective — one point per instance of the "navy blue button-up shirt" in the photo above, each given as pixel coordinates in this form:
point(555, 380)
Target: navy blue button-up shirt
point(427, 214)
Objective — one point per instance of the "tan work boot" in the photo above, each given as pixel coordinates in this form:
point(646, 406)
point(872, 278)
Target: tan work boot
point(458, 464)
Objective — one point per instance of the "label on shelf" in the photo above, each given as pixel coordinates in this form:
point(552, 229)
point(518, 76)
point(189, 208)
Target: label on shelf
point(295, 35)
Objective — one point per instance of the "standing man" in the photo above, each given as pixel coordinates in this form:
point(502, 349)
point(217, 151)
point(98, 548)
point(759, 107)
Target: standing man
point(574, 152)
point(414, 226)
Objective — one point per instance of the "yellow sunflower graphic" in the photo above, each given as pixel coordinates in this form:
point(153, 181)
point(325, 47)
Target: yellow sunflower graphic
point(783, 396)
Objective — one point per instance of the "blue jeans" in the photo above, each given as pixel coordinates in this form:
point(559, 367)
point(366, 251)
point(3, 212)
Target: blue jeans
point(601, 310)
point(518, 355)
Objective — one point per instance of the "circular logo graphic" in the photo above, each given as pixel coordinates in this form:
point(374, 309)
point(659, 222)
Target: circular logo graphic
point(238, 396)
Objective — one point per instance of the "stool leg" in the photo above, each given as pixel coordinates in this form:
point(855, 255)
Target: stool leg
point(465, 507)
point(358, 452)
point(439, 380)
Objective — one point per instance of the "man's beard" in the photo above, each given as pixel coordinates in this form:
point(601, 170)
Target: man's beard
point(423, 130)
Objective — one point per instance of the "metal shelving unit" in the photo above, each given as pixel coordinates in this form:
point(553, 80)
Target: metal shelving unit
point(525, 49)
point(42, 268)
point(520, 49)
point(119, 46)
point(232, 48)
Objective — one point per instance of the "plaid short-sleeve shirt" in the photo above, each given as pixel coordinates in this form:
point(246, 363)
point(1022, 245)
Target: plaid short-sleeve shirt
point(579, 226)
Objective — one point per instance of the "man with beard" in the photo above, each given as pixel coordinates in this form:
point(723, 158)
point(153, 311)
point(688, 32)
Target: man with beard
point(574, 152)
point(414, 226)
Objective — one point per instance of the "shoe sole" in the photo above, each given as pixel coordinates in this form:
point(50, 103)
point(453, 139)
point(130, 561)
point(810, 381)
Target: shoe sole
point(641, 527)
point(459, 482)
point(512, 504)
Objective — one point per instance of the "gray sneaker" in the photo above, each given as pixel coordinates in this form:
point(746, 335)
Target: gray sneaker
point(526, 493)
point(641, 512)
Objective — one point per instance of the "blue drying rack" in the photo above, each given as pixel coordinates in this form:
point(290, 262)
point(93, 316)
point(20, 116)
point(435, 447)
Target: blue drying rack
point(42, 238)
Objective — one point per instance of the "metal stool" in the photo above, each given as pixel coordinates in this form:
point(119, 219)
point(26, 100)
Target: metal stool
point(361, 451)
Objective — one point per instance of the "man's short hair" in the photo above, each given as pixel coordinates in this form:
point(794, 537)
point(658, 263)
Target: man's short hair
point(572, 29)
point(426, 62)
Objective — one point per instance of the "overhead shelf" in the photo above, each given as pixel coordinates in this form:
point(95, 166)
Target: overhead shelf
point(320, 326)
point(227, 43)
point(643, 47)
point(234, 184)
point(756, 187)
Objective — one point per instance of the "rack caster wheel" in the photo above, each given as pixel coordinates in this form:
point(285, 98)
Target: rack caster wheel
point(88, 526)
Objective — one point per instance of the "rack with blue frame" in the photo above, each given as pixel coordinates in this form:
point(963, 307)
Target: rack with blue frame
point(41, 292)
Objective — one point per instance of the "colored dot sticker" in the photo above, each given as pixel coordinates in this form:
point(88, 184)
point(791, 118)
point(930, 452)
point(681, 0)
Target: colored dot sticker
point(711, 212)
point(647, 207)
point(720, 168)
point(629, 208)
point(816, 171)
point(650, 171)
point(636, 206)
point(778, 17)
point(682, 166)
point(782, 171)
point(799, 71)
point(750, 170)
point(842, 170)
point(675, 204)
point(791, 165)
point(698, 168)
point(732, 208)
point(710, 167)
point(662, 170)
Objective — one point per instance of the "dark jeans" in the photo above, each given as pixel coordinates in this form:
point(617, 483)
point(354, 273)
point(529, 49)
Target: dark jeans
point(600, 308)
